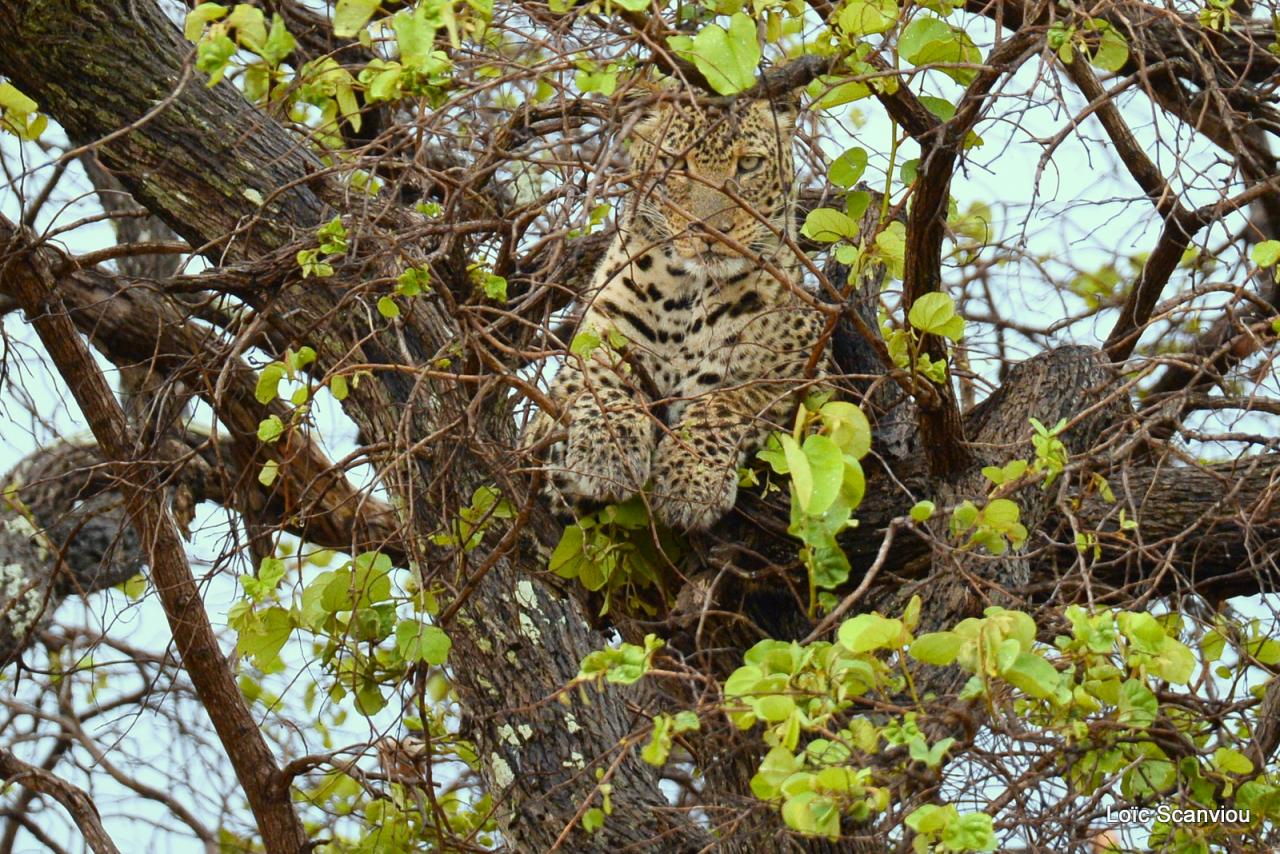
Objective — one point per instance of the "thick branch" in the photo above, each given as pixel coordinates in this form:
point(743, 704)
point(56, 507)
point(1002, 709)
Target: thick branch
point(261, 176)
point(941, 430)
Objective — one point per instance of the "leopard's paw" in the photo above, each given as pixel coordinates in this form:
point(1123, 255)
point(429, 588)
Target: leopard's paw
point(691, 492)
point(607, 466)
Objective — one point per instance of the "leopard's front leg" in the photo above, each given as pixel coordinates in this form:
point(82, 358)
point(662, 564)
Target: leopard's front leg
point(696, 467)
point(608, 453)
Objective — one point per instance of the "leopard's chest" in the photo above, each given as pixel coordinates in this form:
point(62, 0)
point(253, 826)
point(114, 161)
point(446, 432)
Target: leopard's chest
point(698, 329)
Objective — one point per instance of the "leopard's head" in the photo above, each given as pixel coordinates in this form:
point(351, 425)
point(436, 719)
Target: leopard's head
point(724, 168)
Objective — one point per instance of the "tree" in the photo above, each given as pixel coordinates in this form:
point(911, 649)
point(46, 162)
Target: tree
point(387, 209)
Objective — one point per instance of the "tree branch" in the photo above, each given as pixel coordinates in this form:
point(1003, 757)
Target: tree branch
point(81, 807)
point(193, 635)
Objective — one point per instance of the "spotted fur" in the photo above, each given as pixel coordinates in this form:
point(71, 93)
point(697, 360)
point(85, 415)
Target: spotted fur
point(716, 346)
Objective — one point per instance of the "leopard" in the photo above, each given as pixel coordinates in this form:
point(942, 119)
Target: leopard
point(697, 336)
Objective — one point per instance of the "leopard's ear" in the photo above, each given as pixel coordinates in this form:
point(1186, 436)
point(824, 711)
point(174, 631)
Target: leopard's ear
point(787, 105)
point(645, 129)
point(782, 108)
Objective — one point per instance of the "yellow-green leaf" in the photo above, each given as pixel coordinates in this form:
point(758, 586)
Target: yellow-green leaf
point(349, 16)
point(801, 476)
point(195, 22)
point(865, 17)
point(727, 58)
point(827, 225)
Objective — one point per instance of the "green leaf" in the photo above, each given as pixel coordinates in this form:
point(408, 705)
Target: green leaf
point(1264, 254)
point(350, 16)
point(826, 562)
point(623, 665)
point(568, 556)
point(1143, 631)
point(348, 106)
point(827, 225)
point(963, 518)
point(1001, 514)
point(930, 819)
point(1032, 675)
point(1212, 645)
point(1232, 761)
point(338, 387)
point(867, 632)
point(1266, 650)
point(935, 314)
point(866, 17)
point(727, 58)
point(891, 248)
point(213, 55)
point(270, 571)
point(415, 34)
point(585, 343)
point(270, 470)
point(265, 635)
point(826, 466)
point(12, 99)
point(250, 26)
point(134, 587)
point(920, 33)
point(17, 113)
point(930, 756)
point(268, 382)
point(855, 205)
point(495, 287)
point(775, 707)
point(280, 42)
point(847, 426)
point(417, 641)
point(922, 511)
point(848, 168)
point(369, 699)
point(777, 766)
point(298, 360)
point(1112, 52)
point(387, 308)
point(590, 79)
point(192, 27)
point(382, 80)
point(940, 107)
point(270, 429)
point(829, 92)
point(970, 832)
point(1137, 705)
point(801, 476)
point(853, 486)
point(939, 648)
point(593, 819)
point(930, 41)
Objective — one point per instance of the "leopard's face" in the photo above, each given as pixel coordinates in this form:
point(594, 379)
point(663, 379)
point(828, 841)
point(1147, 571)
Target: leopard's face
point(726, 169)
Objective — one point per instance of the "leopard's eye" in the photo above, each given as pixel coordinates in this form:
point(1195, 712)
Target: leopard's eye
point(666, 162)
point(749, 164)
